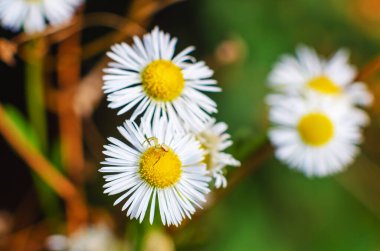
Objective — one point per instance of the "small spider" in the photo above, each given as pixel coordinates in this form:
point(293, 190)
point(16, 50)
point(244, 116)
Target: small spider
point(156, 144)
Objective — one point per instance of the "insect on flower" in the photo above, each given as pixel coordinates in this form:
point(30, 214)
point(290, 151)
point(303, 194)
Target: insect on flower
point(158, 166)
point(156, 144)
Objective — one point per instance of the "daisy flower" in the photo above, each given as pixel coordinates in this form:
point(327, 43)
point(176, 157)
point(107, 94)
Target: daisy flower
point(334, 77)
point(32, 15)
point(317, 136)
point(149, 77)
point(157, 165)
point(214, 141)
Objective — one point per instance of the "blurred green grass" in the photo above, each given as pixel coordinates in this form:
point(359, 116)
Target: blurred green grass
point(277, 208)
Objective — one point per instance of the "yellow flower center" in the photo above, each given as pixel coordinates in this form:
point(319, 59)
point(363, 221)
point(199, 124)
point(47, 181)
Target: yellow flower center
point(324, 85)
point(315, 129)
point(208, 142)
point(207, 160)
point(163, 80)
point(160, 167)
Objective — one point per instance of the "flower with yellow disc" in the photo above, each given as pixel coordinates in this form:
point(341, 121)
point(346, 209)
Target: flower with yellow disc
point(148, 78)
point(334, 77)
point(315, 135)
point(157, 166)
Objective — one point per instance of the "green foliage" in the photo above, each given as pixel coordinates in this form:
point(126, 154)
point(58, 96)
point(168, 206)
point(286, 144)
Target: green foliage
point(23, 125)
point(277, 208)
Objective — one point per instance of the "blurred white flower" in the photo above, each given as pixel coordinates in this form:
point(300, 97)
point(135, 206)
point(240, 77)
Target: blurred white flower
point(149, 77)
point(315, 135)
point(307, 71)
point(32, 15)
point(157, 165)
point(92, 238)
point(214, 141)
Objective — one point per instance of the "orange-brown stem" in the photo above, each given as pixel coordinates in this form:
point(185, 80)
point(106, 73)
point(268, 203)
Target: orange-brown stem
point(369, 70)
point(70, 125)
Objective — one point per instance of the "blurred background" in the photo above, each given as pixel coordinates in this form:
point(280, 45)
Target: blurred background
point(269, 207)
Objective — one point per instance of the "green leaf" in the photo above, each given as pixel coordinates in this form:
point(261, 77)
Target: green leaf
point(23, 125)
point(47, 197)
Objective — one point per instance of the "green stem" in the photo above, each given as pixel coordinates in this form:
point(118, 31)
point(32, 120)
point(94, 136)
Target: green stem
point(35, 90)
point(35, 100)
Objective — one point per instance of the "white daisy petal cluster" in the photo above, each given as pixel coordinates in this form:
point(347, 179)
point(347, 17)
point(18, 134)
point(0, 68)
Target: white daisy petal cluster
point(150, 78)
point(97, 237)
point(169, 171)
point(215, 140)
point(33, 15)
point(307, 71)
point(166, 162)
point(316, 112)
